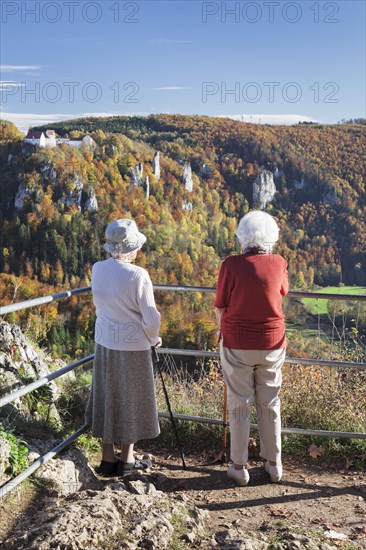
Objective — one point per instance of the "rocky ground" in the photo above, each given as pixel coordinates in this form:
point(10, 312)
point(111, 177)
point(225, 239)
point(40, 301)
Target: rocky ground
point(168, 507)
point(67, 507)
point(312, 507)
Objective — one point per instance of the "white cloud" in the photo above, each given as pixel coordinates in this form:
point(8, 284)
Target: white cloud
point(271, 119)
point(5, 83)
point(25, 120)
point(13, 68)
point(170, 88)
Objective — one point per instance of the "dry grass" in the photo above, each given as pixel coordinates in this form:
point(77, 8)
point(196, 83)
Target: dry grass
point(311, 397)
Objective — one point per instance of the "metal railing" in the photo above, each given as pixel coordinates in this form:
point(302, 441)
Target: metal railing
point(60, 295)
point(9, 398)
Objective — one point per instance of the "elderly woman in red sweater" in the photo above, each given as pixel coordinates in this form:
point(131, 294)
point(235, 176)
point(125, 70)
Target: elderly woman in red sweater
point(248, 309)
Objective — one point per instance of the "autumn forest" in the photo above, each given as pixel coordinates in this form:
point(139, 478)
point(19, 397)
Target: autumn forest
point(56, 203)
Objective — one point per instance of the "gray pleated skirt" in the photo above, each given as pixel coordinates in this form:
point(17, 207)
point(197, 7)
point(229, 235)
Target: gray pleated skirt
point(122, 403)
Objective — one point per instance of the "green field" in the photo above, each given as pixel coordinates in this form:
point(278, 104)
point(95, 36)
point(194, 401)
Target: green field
point(316, 305)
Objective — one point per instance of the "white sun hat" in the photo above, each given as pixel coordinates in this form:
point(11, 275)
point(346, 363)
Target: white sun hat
point(123, 237)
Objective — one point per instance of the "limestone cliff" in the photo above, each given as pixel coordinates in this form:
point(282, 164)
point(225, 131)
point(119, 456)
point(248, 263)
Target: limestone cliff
point(21, 363)
point(23, 194)
point(187, 177)
point(91, 203)
point(264, 189)
point(78, 193)
point(137, 173)
point(156, 165)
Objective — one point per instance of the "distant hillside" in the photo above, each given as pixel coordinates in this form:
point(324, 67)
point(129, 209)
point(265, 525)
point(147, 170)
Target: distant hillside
point(320, 199)
point(57, 202)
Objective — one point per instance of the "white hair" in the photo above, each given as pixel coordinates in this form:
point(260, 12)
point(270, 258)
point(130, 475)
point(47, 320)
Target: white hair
point(127, 257)
point(257, 229)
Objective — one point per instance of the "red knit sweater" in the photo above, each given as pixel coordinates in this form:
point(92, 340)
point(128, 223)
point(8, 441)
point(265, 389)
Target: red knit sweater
point(251, 287)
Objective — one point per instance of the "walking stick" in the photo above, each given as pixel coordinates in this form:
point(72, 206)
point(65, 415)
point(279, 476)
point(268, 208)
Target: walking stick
point(156, 362)
point(224, 457)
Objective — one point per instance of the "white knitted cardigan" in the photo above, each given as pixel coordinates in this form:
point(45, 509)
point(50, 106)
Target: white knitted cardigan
point(127, 318)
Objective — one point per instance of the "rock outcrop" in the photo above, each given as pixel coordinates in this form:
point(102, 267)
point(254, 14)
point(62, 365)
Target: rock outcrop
point(147, 187)
point(23, 194)
point(277, 173)
point(79, 193)
point(48, 171)
point(205, 170)
point(69, 472)
point(187, 177)
point(263, 189)
point(91, 203)
point(4, 459)
point(300, 184)
point(156, 165)
point(187, 206)
point(95, 519)
point(26, 193)
point(137, 174)
point(20, 363)
point(75, 193)
point(330, 195)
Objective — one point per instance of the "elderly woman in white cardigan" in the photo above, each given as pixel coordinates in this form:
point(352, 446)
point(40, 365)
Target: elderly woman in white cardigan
point(122, 405)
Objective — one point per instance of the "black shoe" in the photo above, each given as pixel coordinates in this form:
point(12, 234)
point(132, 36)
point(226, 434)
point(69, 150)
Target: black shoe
point(125, 468)
point(107, 469)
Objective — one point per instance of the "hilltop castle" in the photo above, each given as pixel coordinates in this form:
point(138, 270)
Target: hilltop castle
point(49, 139)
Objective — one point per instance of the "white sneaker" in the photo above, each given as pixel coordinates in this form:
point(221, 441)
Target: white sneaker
point(241, 477)
point(275, 472)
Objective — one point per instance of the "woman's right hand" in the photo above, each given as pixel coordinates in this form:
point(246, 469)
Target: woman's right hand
point(219, 311)
point(158, 344)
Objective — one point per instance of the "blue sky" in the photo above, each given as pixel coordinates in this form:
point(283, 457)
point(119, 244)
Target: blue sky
point(277, 59)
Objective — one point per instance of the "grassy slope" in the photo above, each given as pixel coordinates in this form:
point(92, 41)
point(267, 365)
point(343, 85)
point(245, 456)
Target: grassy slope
point(315, 305)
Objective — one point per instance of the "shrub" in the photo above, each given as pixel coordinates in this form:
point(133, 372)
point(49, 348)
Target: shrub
point(18, 457)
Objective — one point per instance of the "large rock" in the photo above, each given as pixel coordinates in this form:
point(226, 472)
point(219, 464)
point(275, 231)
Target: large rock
point(48, 171)
point(300, 184)
point(21, 363)
point(79, 522)
point(231, 539)
point(156, 165)
point(187, 205)
point(4, 459)
point(187, 177)
point(69, 472)
point(23, 194)
point(330, 195)
point(141, 487)
point(137, 174)
point(91, 203)
point(263, 189)
point(73, 197)
point(96, 519)
point(277, 173)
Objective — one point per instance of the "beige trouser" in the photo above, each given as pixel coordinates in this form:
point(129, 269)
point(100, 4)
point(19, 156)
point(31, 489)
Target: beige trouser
point(253, 376)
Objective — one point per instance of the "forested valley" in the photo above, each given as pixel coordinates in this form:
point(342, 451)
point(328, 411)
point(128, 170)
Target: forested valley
point(56, 203)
